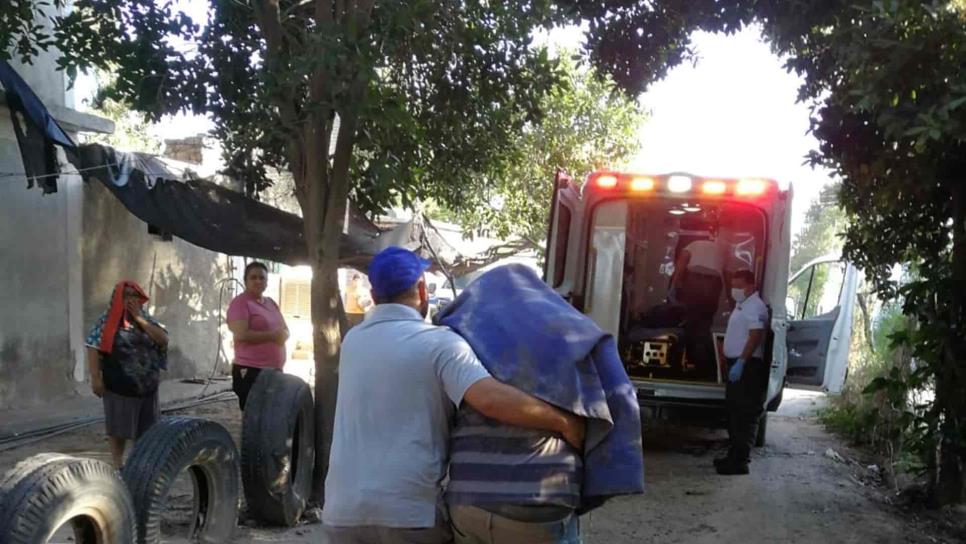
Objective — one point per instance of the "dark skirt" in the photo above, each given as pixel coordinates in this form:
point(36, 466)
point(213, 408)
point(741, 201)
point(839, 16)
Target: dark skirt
point(130, 417)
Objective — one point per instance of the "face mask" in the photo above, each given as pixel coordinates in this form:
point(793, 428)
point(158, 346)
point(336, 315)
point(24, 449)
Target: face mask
point(738, 294)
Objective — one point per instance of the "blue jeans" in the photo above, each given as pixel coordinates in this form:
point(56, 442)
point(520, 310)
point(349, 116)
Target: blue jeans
point(472, 525)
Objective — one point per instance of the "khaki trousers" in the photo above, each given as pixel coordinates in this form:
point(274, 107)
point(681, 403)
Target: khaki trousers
point(472, 525)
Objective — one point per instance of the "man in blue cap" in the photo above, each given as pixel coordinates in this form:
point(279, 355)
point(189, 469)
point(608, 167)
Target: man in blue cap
point(401, 380)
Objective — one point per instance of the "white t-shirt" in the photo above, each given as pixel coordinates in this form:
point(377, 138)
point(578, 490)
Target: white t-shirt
point(752, 314)
point(707, 256)
point(400, 381)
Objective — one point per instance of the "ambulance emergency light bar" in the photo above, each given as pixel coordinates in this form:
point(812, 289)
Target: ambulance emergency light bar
point(682, 184)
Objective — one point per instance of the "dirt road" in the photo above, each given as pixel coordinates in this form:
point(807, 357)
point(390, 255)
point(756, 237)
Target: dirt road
point(796, 493)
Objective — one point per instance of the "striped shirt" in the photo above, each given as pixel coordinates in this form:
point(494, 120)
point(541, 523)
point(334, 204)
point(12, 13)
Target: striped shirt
point(495, 464)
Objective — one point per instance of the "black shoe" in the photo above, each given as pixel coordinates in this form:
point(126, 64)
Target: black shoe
point(718, 461)
point(731, 469)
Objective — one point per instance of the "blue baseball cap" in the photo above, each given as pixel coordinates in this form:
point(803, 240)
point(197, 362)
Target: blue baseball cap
point(393, 270)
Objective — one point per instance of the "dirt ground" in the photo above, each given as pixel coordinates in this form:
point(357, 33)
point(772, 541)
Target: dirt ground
point(798, 491)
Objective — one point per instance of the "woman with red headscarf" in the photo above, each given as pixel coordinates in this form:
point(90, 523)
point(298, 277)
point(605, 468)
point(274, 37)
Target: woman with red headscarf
point(126, 351)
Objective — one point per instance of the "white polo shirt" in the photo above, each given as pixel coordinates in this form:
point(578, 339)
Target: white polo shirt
point(400, 381)
point(707, 257)
point(752, 314)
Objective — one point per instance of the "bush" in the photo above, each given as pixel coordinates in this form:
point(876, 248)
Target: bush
point(879, 407)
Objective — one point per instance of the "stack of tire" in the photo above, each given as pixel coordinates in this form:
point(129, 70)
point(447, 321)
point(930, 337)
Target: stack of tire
point(50, 491)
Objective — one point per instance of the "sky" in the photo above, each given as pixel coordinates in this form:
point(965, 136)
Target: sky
point(732, 114)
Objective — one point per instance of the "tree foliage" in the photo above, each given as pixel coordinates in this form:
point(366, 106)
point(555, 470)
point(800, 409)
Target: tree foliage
point(586, 124)
point(822, 231)
point(427, 67)
point(131, 129)
point(821, 235)
point(889, 112)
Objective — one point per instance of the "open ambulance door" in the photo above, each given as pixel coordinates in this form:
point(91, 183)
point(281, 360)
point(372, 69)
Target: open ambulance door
point(563, 210)
point(820, 306)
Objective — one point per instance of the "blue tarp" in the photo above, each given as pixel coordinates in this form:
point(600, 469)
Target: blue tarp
point(528, 336)
point(21, 96)
point(36, 130)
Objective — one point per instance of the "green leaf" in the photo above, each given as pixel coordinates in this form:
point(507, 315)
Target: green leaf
point(956, 104)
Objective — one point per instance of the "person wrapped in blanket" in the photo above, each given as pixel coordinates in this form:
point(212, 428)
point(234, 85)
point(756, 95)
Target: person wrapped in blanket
point(126, 352)
point(513, 484)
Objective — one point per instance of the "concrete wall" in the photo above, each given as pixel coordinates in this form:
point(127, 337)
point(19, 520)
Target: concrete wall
point(60, 256)
point(35, 344)
point(181, 279)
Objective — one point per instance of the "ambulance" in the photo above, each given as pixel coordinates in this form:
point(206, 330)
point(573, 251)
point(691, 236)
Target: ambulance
point(614, 242)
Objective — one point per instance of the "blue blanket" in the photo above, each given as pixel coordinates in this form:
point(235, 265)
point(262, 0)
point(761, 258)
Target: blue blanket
point(530, 337)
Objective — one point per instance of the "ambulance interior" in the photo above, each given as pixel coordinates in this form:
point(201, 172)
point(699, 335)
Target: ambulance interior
point(654, 329)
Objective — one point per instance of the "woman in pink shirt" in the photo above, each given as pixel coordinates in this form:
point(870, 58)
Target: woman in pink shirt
point(258, 329)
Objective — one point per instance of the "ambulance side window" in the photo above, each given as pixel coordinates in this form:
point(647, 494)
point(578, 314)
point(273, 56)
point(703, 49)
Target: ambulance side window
point(560, 245)
point(816, 292)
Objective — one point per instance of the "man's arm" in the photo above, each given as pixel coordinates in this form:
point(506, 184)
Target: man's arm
point(509, 405)
point(755, 337)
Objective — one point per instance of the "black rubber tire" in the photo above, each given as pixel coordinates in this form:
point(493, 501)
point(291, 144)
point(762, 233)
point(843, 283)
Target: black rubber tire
point(278, 448)
point(44, 492)
point(206, 450)
point(762, 433)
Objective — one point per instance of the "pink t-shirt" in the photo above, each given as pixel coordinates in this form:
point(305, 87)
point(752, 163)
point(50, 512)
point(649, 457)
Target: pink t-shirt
point(264, 316)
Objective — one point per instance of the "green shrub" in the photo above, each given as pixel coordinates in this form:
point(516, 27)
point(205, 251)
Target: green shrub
point(878, 407)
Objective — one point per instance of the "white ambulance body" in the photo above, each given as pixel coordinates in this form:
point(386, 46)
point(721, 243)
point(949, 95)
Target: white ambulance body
point(612, 248)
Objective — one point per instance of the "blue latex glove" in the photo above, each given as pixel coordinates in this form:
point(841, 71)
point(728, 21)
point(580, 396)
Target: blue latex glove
point(734, 374)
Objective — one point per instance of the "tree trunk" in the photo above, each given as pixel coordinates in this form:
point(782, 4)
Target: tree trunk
point(326, 304)
point(321, 188)
point(327, 311)
point(951, 380)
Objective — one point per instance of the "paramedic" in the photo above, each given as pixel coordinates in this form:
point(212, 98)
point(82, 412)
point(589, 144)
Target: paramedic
point(747, 375)
point(697, 283)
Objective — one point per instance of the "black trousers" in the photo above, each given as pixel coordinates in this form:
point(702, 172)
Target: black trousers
point(701, 294)
point(746, 403)
point(242, 380)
